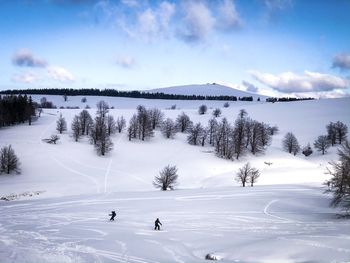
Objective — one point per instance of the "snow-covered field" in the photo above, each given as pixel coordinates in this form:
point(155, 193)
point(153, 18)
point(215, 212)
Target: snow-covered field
point(285, 218)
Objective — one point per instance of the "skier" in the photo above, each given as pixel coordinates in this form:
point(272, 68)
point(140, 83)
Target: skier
point(156, 224)
point(113, 214)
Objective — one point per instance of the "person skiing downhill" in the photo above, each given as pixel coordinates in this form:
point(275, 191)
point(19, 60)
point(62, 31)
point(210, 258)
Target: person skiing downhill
point(157, 224)
point(113, 214)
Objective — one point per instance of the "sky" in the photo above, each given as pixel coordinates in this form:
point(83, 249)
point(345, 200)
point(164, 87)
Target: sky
point(271, 47)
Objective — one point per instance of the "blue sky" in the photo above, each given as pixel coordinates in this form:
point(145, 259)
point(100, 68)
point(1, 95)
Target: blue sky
point(273, 47)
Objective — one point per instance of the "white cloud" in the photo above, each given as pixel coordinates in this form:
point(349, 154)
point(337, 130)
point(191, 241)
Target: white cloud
point(278, 4)
point(60, 74)
point(27, 77)
point(198, 22)
point(130, 3)
point(165, 12)
point(126, 61)
point(25, 58)
point(148, 25)
point(249, 86)
point(289, 82)
point(228, 18)
point(342, 61)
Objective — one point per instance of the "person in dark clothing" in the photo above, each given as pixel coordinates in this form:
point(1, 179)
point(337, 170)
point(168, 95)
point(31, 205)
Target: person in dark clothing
point(113, 214)
point(157, 224)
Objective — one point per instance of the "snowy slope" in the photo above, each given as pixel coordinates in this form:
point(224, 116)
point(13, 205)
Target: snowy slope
point(206, 90)
point(284, 218)
point(261, 224)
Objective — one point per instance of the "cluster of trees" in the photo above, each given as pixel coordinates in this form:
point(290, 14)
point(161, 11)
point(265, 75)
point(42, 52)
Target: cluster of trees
point(16, 109)
point(45, 104)
point(116, 93)
point(98, 130)
point(339, 184)
point(167, 178)
point(232, 141)
point(286, 99)
point(247, 174)
point(8, 160)
point(336, 134)
point(143, 123)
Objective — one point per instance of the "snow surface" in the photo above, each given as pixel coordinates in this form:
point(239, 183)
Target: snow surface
point(284, 218)
point(206, 90)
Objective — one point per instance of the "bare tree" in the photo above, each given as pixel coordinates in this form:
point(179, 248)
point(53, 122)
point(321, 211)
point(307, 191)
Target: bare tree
point(102, 108)
point(144, 123)
point(216, 112)
point(322, 144)
point(195, 134)
point(166, 179)
point(104, 144)
point(239, 136)
point(212, 129)
point(85, 122)
point(247, 174)
point(253, 177)
point(96, 129)
point(183, 122)
point(273, 130)
point(156, 117)
point(54, 138)
point(61, 124)
point(76, 128)
point(331, 133)
point(133, 127)
point(341, 131)
point(121, 123)
point(290, 143)
point(168, 128)
point(111, 125)
point(339, 184)
point(202, 109)
point(8, 160)
point(223, 142)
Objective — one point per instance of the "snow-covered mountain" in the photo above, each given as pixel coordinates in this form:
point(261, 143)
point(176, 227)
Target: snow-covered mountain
point(206, 90)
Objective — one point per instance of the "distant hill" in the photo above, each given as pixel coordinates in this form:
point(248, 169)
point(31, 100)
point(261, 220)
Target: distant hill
point(206, 90)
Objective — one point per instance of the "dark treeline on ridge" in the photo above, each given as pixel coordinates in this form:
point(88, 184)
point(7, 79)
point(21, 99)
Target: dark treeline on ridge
point(16, 109)
point(116, 93)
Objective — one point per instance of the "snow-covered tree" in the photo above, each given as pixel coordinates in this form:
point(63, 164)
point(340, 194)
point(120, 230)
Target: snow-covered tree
point(168, 128)
point(211, 129)
point(166, 179)
point(322, 143)
point(223, 142)
point(133, 127)
point(341, 131)
point(61, 124)
point(144, 123)
point(8, 160)
point(290, 143)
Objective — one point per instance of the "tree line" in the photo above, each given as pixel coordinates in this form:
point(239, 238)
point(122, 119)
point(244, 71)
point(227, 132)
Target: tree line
point(116, 93)
point(15, 110)
point(286, 99)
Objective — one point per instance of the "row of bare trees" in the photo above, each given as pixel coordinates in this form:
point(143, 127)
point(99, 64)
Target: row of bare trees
point(336, 134)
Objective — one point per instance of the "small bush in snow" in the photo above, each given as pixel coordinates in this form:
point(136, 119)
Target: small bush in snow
point(210, 257)
point(83, 99)
point(202, 109)
point(307, 150)
point(217, 112)
point(226, 105)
